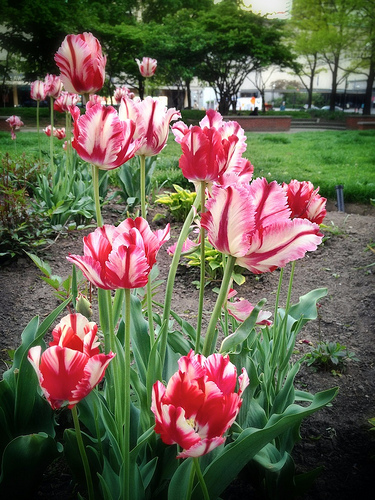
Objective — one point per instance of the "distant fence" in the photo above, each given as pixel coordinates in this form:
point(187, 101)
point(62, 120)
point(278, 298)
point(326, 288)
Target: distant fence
point(262, 123)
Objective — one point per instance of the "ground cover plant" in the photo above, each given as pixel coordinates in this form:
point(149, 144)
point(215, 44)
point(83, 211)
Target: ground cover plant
point(140, 386)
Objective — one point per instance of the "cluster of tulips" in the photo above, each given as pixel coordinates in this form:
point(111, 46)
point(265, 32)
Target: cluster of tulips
point(255, 224)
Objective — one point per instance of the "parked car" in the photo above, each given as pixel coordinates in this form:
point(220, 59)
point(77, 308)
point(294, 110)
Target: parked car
point(326, 108)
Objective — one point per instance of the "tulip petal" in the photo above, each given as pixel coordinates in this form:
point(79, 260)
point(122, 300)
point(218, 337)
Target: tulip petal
point(279, 244)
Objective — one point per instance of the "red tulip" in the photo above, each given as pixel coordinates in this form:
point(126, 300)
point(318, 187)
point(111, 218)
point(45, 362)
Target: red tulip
point(305, 202)
point(38, 90)
point(152, 120)
point(199, 403)
point(65, 101)
point(212, 150)
point(72, 366)
point(120, 257)
point(252, 223)
point(101, 138)
point(147, 66)
point(54, 85)
point(81, 63)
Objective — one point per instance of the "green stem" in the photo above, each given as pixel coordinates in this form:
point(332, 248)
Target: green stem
point(222, 297)
point(68, 143)
point(82, 452)
point(126, 449)
point(95, 178)
point(198, 471)
point(52, 166)
point(202, 272)
point(191, 483)
point(142, 159)
point(37, 128)
point(288, 299)
point(172, 273)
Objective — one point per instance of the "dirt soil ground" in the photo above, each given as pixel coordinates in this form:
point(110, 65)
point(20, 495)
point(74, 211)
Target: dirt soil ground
point(338, 437)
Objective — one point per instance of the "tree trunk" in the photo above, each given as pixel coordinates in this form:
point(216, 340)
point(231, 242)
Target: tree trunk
point(188, 93)
point(368, 94)
point(332, 101)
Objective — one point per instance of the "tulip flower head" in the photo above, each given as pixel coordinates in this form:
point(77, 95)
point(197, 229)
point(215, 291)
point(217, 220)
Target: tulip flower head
point(305, 202)
point(65, 101)
point(252, 223)
point(122, 92)
point(122, 256)
point(57, 132)
point(152, 120)
point(241, 309)
point(81, 63)
point(38, 90)
point(54, 85)
point(101, 138)
point(199, 403)
point(147, 66)
point(212, 150)
point(72, 366)
point(15, 124)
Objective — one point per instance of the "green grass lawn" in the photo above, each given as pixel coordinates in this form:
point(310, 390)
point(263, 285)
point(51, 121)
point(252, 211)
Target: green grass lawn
point(325, 158)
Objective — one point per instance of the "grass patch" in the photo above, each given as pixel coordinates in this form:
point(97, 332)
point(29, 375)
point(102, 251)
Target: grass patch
point(325, 158)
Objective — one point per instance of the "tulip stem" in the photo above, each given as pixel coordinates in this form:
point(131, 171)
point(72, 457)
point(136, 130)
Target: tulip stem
point(95, 179)
point(223, 294)
point(127, 396)
point(202, 272)
point(52, 166)
point(142, 160)
point(37, 127)
point(172, 274)
point(198, 471)
point(82, 451)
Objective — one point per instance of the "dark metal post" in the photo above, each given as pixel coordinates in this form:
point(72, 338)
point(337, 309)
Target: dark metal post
point(340, 198)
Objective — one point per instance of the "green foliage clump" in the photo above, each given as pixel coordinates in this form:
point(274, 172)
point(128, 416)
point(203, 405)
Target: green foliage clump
point(178, 203)
point(330, 356)
point(22, 225)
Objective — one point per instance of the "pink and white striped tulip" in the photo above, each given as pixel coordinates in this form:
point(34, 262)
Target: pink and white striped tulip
point(241, 309)
point(252, 223)
point(152, 120)
point(101, 138)
point(54, 85)
point(81, 63)
point(212, 150)
point(65, 101)
point(72, 366)
point(305, 202)
point(38, 90)
point(147, 66)
point(57, 132)
point(122, 256)
point(15, 124)
point(122, 92)
point(199, 403)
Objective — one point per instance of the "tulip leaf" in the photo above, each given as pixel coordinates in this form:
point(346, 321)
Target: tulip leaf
point(306, 308)
point(179, 484)
point(244, 331)
point(25, 458)
point(221, 472)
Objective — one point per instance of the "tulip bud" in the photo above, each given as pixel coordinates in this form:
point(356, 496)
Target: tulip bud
point(83, 305)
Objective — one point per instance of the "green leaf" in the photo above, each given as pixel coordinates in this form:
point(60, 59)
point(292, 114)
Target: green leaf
point(179, 484)
point(221, 472)
point(246, 329)
point(23, 463)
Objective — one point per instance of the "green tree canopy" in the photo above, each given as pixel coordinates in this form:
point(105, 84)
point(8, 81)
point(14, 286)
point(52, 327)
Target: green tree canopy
point(237, 42)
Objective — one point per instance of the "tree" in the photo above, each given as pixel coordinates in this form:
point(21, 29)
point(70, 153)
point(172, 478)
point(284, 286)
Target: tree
point(237, 42)
point(365, 29)
point(328, 25)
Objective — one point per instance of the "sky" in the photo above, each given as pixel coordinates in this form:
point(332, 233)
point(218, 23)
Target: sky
point(277, 7)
